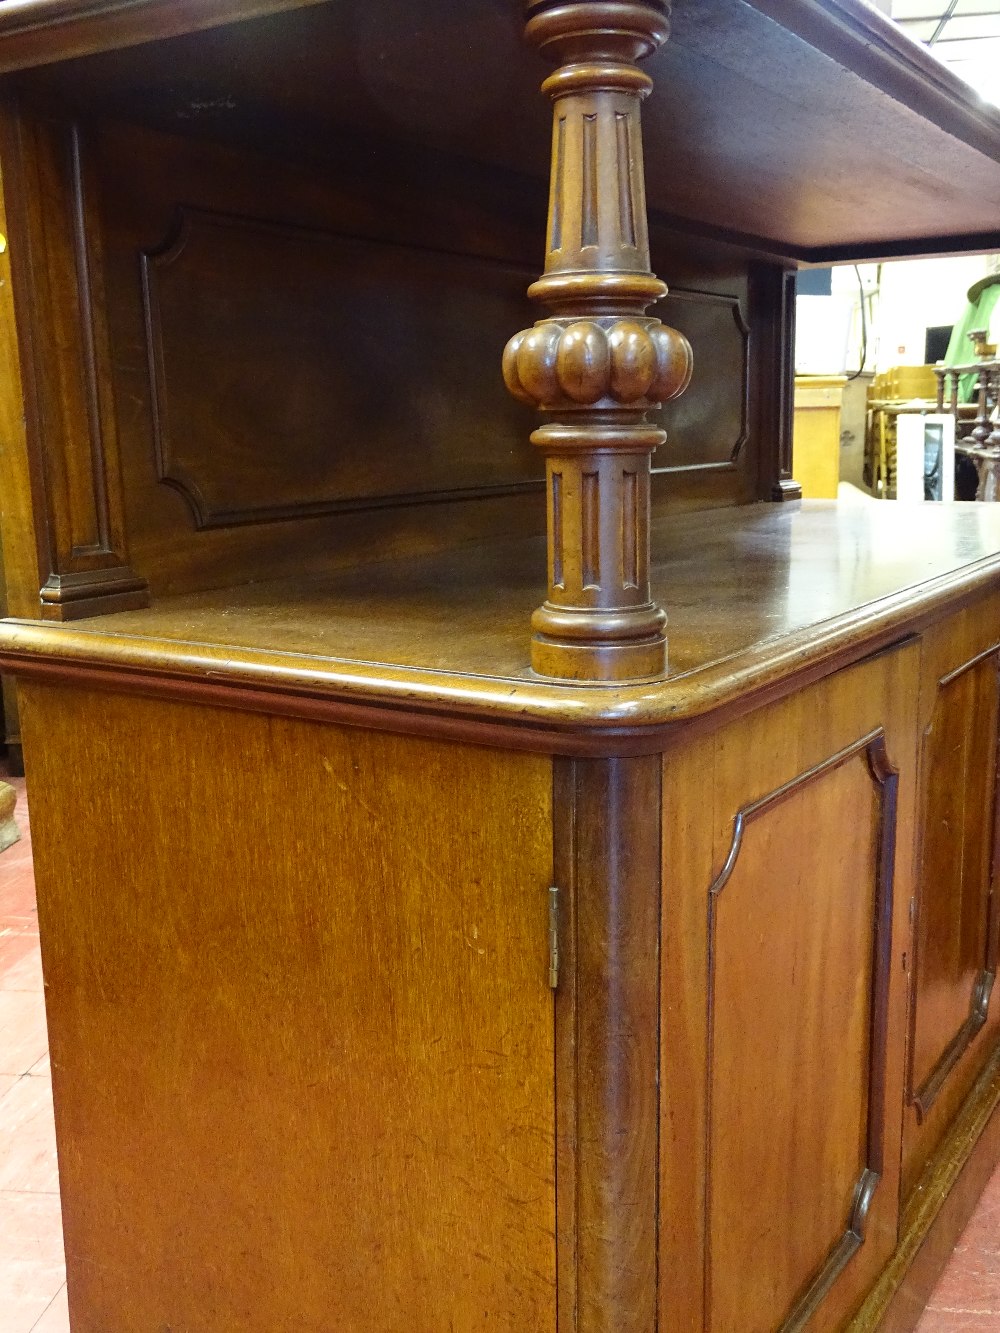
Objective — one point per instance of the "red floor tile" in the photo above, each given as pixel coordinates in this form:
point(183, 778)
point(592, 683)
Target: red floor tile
point(23, 1038)
point(17, 889)
point(957, 1321)
point(967, 1297)
point(32, 1268)
point(28, 1137)
point(22, 973)
point(56, 1317)
point(970, 1285)
point(16, 944)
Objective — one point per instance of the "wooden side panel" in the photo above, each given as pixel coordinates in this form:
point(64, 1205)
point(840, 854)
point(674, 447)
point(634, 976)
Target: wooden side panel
point(785, 929)
point(954, 1014)
point(795, 948)
point(301, 1026)
point(20, 549)
point(309, 375)
point(709, 430)
point(273, 350)
point(772, 290)
point(66, 364)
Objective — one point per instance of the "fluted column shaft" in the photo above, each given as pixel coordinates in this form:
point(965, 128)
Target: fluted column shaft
point(599, 363)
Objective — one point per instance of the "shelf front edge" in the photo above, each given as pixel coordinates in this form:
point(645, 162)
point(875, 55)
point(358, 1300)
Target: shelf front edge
point(526, 712)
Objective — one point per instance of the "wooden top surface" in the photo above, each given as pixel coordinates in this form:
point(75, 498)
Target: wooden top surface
point(815, 130)
point(756, 596)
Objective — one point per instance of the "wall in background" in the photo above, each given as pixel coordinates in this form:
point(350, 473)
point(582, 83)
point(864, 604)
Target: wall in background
point(902, 300)
point(915, 295)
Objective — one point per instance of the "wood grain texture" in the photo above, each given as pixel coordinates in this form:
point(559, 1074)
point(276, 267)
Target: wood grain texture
point(21, 558)
point(688, 845)
point(954, 1017)
point(607, 1021)
point(795, 594)
point(818, 957)
point(19, 561)
point(938, 1211)
point(312, 341)
point(729, 68)
point(300, 1022)
point(800, 1006)
point(598, 363)
point(65, 363)
point(38, 31)
point(311, 306)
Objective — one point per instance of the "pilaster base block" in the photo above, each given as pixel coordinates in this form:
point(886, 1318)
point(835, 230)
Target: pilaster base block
point(598, 662)
point(92, 592)
point(786, 489)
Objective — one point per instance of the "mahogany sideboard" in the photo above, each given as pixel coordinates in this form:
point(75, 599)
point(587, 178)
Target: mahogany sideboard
point(496, 871)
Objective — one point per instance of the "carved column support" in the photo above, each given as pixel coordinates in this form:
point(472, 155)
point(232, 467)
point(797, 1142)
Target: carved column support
point(599, 363)
point(981, 430)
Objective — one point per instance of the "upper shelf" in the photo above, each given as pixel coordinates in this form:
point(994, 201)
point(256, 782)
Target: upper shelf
point(813, 130)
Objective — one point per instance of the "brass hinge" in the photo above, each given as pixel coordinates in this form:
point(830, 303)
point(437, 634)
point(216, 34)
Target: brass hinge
point(554, 937)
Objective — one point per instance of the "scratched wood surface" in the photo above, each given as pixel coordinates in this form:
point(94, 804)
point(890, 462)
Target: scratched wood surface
point(301, 1028)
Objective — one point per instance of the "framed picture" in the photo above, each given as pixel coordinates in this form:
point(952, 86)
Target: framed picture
point(925, 456)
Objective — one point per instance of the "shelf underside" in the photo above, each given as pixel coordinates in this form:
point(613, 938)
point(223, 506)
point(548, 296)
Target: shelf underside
point(816, 131)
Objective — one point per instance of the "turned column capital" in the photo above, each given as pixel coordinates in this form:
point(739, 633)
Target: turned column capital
point(612, 30)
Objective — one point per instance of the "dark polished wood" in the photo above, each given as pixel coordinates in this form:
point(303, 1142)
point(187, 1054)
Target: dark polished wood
point(607, 1020)
point(599, 363)
point(70, 408)
point(259, 258)
point(754, 932)
point(953, 1020)
point(397, 967)
point(729, 68)
point(793, 592)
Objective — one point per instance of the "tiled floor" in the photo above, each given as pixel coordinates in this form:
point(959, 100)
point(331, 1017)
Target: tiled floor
point(32, 1271)
point(967, 1298)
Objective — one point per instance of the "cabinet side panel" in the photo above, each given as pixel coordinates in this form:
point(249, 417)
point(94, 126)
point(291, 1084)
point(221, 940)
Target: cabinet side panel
point(787, 875)
point(791, 1006)
point(956, 865)
point(955, 1013)
point(301, 1028)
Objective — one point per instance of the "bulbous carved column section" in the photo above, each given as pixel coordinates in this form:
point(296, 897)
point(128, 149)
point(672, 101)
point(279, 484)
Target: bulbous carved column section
point(599, 363)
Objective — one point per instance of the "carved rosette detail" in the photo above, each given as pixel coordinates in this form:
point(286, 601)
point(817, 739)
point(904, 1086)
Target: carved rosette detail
point(626, 363)
point(599, 363)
